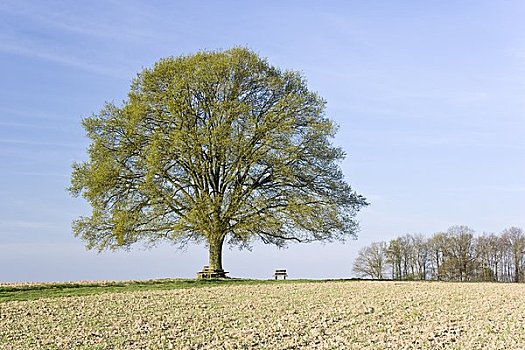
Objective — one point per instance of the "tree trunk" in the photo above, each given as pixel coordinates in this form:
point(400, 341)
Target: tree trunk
point(215, 256)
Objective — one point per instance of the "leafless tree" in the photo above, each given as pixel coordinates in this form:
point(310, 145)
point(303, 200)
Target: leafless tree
point(454, 255)
point(514, 241)
point(371, 261)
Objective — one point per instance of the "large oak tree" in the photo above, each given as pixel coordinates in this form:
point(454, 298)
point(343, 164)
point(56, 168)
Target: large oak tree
point(215, 147)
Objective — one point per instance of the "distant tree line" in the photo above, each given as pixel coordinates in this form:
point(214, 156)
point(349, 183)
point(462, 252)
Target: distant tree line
point(454, 255)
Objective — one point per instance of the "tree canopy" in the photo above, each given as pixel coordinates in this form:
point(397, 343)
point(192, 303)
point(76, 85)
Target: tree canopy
point(215, 147)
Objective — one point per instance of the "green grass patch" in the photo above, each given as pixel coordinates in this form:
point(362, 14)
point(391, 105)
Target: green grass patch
point(53, 290)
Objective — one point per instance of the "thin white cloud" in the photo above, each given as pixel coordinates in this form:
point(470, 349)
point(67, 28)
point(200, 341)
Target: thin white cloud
point(37, 174)
point(43, 54)
point(31, 114)
point(39, 143)
point(27, 225)
point(29, 126)
point(507, 189)
point(50, 16)
point(97, 36)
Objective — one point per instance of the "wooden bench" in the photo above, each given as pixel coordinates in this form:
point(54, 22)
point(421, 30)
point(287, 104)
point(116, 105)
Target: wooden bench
point(280, 273)
point(207, 272)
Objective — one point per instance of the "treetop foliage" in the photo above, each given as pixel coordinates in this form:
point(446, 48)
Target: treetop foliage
point(211, 146)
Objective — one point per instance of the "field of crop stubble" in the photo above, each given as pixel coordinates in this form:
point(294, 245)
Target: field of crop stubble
point(327, 315)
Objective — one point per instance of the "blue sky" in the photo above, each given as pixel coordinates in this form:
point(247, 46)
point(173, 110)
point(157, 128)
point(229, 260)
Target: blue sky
point(429, 97)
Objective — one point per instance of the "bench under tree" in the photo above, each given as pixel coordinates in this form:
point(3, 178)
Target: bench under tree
point(280, 273)
point(208, 272)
